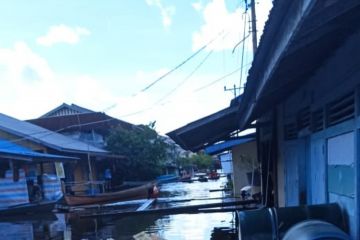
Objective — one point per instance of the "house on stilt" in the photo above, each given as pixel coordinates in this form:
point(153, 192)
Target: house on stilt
point(303, 97)
point(44, 141)
point(218, 134)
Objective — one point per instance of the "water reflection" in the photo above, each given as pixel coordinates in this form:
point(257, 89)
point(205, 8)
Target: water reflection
point(213, 226)
point(45, 226)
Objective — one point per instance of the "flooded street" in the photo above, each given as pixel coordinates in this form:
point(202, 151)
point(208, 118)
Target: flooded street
point(182, 226)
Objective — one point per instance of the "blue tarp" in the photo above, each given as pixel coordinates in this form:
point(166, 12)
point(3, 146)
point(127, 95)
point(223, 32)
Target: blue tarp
point(223, 146)
point(13, 149)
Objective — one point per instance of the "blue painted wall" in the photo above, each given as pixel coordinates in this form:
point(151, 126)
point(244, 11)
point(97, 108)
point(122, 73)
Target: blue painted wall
point(323, 177)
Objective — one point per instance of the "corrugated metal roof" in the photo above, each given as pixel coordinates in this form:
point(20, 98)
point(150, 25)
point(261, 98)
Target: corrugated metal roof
point(46, 137)
point(227, 145)
point(98, 121)
point(298, 38)
point(207, 130)
point(11, 149)
point(74, 108)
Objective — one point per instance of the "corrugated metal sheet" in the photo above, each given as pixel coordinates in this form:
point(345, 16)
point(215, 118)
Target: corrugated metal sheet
point(13, 193)
point(51, 187)
point(226, 145)
point(207, 130)
point(66, 109)
point(43, 136)
point(9, 148)
point(98, 121)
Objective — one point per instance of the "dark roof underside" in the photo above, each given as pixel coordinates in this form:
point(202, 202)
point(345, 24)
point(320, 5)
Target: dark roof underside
point(315, 39)
point(208, 130)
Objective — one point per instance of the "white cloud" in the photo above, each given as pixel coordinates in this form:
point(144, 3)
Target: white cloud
point(27, 98)
point(197, 6)
point(179, 108)
point(217, 18)
point(62, 34)
point(20, 59)
point(32, 88)
point(166, 11)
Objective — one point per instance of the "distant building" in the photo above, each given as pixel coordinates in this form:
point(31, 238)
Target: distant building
point(218, 135)
point(173, 154)
point(303, 96)
point(81, 124)
point(66, 109)
point(42, 140)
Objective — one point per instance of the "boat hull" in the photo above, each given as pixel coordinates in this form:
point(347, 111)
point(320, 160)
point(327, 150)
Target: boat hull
point(29, 208)
point(167, 178)
point(140, 192)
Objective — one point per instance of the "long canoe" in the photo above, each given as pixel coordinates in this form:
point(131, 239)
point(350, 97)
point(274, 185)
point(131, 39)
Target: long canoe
point(144, 191)
point(167, 178)
point(29, 208)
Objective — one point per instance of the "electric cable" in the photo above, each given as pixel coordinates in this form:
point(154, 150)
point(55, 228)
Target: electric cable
point(182, 63)
point(221, 78)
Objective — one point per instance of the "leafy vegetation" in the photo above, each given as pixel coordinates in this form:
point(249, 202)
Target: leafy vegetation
point(144, 149)
point(200, 160)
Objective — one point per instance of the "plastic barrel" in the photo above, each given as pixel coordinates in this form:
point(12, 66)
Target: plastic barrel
point(256, 224)
point(314, 230)
point(273, 223)
point(289, 216)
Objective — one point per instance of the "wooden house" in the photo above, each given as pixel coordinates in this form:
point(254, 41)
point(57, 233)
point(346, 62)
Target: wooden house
point(93, 127)
point(302, 94)
point(303, 97)
point(81, 124)
point(218, 135)
point(42, 140)
point(240, 153)
point(23, 178)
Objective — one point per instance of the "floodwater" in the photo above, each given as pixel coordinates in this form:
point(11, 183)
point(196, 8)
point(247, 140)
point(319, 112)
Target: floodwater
point(214, 226)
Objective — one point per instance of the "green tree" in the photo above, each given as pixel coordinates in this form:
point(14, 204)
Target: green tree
point(144, 149)
point(200, 160)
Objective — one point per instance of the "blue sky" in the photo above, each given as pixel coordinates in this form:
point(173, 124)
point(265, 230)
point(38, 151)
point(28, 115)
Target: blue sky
point(101, 54)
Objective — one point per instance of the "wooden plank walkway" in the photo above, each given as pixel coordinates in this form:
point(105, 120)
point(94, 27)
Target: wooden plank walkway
point(190, 209)
point(145, 205)
point(136, 203)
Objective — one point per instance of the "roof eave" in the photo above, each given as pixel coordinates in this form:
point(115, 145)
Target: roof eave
point(269, 56)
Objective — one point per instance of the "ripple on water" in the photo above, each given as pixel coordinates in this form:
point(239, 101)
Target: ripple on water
point(214, 226)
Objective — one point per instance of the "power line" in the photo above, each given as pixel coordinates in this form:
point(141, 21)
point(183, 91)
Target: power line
point(47, 132)
point(173, 90)
point(242, 54)
point(172, 70)
point(221, 78)
point(241, 41)
point(137, 112)
point(182, 63)
point(186, 78)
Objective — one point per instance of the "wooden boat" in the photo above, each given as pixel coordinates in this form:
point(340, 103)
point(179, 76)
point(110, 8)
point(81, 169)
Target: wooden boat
point(29, 208)
point(214, 175)
point(187, 179)
point(201, 177)
point(148, 190)
point(167, 178)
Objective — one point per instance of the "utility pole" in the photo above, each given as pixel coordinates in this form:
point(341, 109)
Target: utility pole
point(254, 39)
point(253, 26)
point(233, 89)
